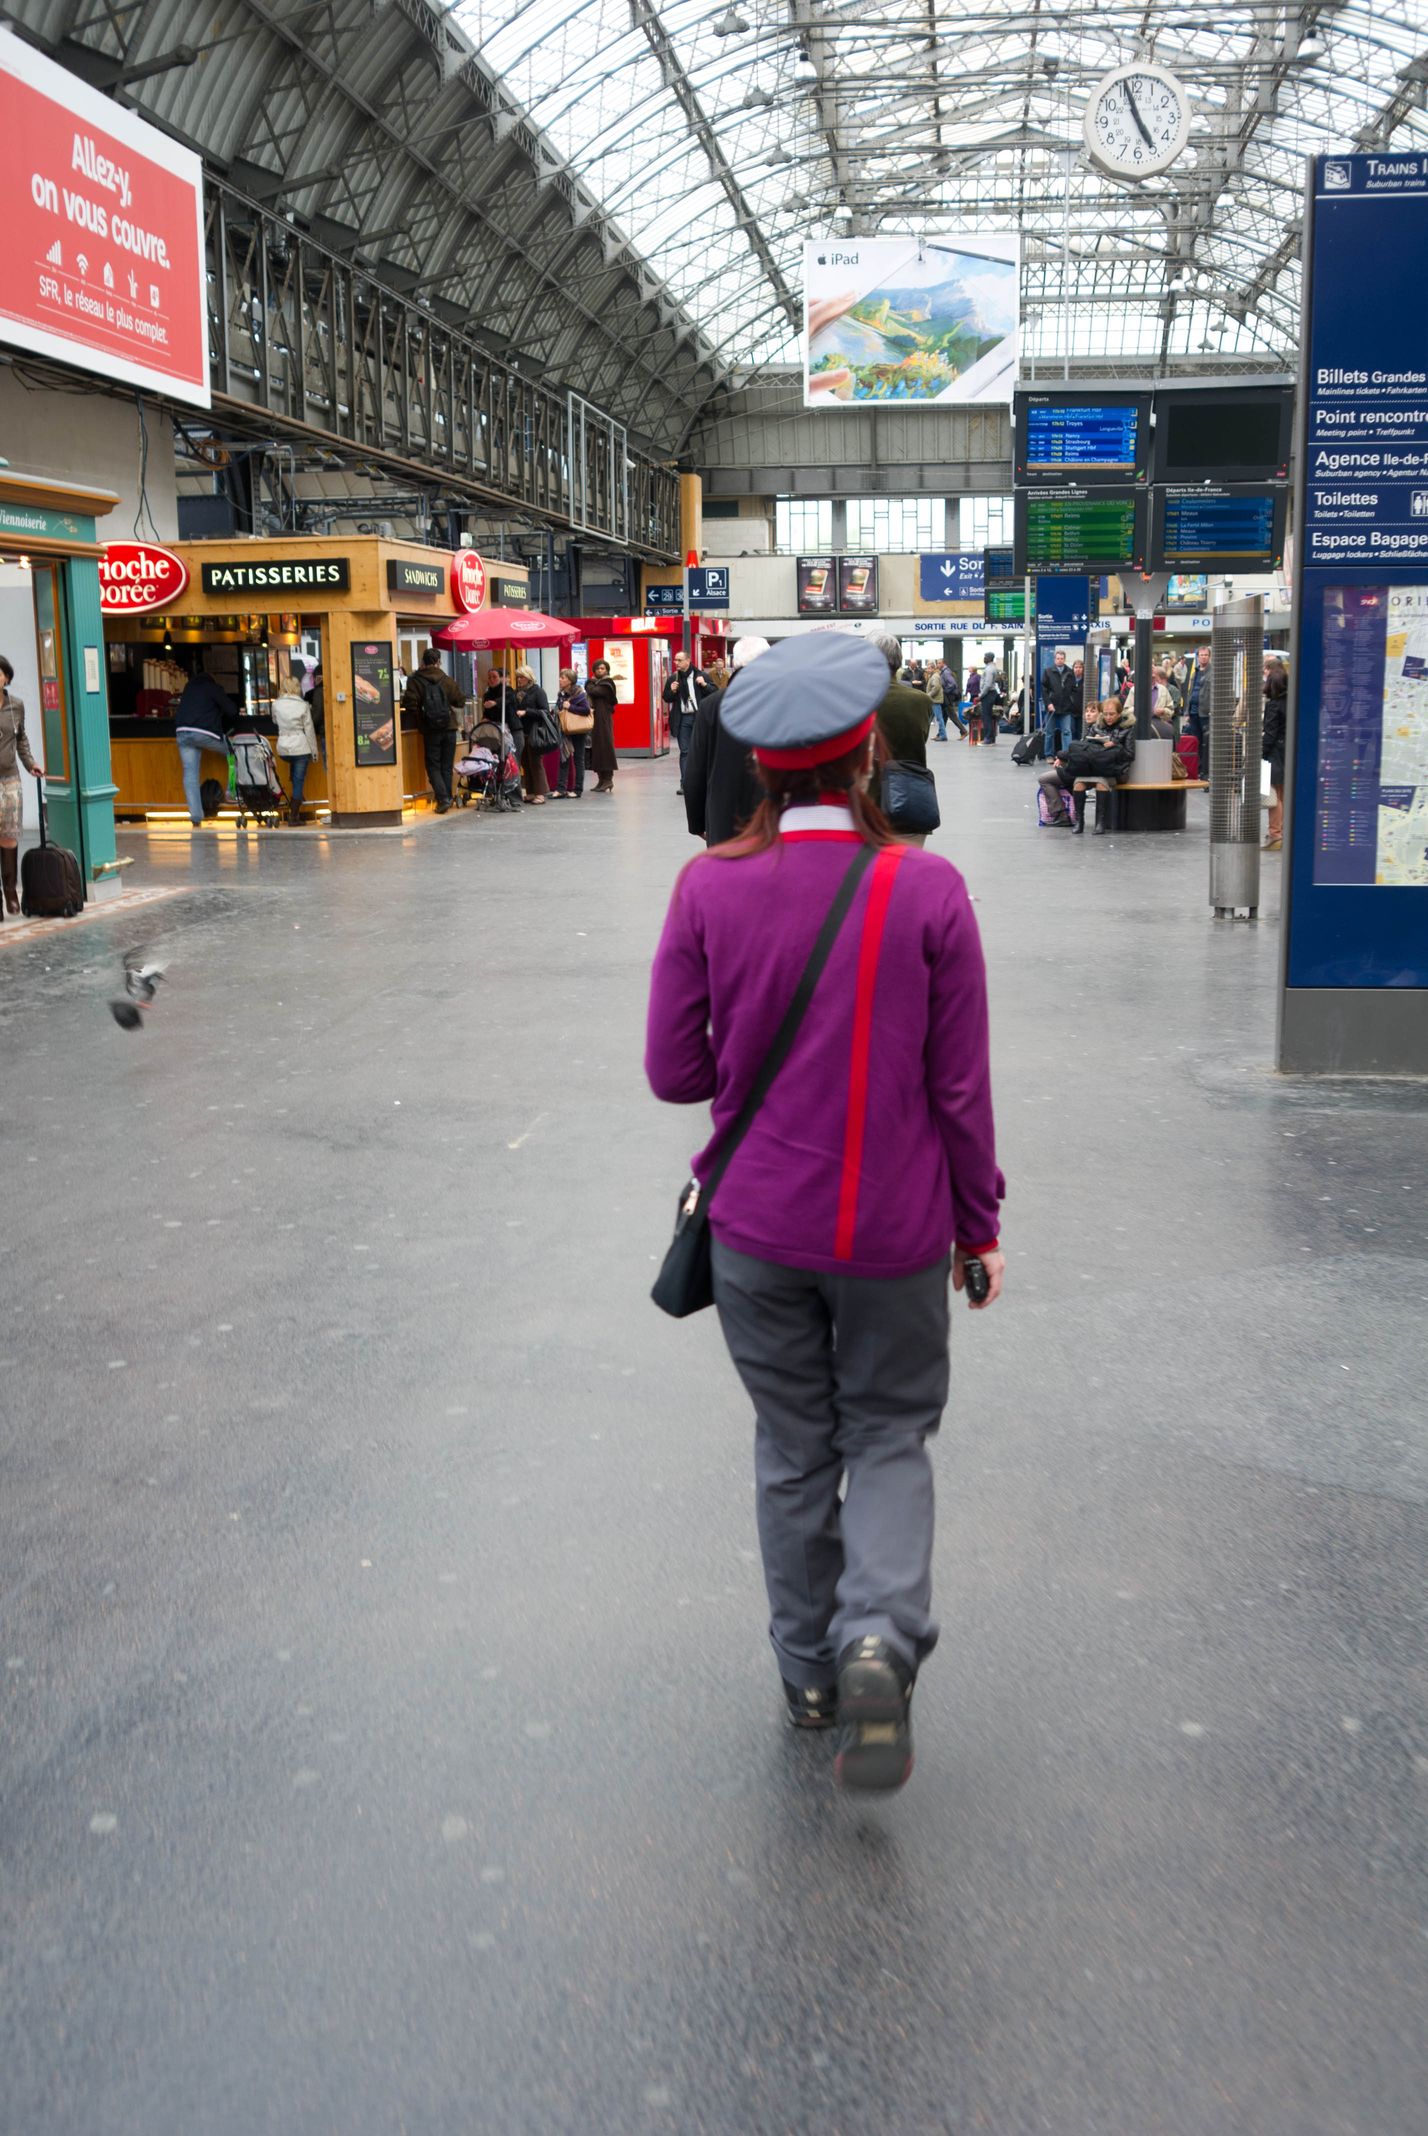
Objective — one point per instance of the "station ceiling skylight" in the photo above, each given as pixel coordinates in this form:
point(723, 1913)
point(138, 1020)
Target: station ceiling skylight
point(719, 136)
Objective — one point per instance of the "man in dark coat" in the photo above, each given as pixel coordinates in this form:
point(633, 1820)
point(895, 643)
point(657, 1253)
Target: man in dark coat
point(721, 787)
point(684, 692)
point(432, 700)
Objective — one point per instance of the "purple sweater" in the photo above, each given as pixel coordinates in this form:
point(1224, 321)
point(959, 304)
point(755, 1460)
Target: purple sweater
point(873, 1151)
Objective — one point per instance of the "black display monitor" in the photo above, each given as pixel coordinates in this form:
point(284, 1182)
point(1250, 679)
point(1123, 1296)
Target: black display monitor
point(1223, 434)
point(1086, 435)
point(1218, 527)
point(1080, 530)
point(999, 572)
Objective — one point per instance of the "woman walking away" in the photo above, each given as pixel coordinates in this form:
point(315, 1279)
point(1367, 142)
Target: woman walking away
point(864, 1171)
point(14, 751)
point(1276, 713)
point(297, 741)
point(603, 761)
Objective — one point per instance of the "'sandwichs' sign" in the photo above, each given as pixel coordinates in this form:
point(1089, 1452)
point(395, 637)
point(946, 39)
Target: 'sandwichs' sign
point(294, 574)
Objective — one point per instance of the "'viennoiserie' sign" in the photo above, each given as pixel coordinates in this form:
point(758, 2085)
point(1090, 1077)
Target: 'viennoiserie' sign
point(298, 574)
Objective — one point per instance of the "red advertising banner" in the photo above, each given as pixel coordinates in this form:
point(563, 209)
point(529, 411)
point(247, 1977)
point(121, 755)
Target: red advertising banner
point(103, 222)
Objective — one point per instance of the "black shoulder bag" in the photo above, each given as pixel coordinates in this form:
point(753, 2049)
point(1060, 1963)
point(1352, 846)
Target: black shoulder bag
point(910, 798)
point(685, 1283)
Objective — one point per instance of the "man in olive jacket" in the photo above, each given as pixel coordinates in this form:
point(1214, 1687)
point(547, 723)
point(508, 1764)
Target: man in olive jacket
point(904, 720)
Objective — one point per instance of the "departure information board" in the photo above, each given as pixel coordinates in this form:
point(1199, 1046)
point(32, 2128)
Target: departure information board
point(1077, 437)
point(1006, 607)
point(999, 572)
point(1079, 530)
point(1219, 528)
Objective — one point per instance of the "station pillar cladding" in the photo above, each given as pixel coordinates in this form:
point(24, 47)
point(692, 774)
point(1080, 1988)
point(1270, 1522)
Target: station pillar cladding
point(1354, 971)
point(54, 635)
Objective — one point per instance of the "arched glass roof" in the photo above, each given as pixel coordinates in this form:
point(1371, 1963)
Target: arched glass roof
point(719, 137)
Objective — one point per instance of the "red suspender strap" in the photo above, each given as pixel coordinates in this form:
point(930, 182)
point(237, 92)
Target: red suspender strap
point(880, 884)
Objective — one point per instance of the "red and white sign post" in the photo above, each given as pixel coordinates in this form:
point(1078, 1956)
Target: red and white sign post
point(137, 575)
point(468, 580)
point(103, 222)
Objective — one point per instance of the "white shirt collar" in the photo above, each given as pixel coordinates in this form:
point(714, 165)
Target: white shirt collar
point(815, 816)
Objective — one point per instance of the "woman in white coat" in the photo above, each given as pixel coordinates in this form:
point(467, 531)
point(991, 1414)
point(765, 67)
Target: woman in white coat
point(297, 742)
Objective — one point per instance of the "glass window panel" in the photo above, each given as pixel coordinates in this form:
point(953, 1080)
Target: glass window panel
point(983, 522)
point(891, 525)
point(803, 524)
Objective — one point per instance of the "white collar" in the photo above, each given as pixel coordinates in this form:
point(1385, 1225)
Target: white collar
point(815, 816)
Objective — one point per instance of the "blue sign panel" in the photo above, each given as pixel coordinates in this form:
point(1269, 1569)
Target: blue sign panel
point(1063, 619)
point(708, 588)
point(1358, 911)
point(951, 575)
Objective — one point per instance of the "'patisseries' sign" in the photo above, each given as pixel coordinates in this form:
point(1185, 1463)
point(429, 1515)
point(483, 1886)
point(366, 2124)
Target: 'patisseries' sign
point(289, 574)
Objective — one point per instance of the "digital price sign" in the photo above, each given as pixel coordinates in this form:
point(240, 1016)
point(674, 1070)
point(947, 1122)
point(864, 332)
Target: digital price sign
point(1218, 528)
point(1085, 437)
point(1080, 530)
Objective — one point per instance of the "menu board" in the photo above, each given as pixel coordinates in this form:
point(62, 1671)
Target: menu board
point(857, 585)
point(1079, 530)
point(374, 707)
point(817, 585)
point(1371, 814)
point(1082, 435)
point(1221, 528)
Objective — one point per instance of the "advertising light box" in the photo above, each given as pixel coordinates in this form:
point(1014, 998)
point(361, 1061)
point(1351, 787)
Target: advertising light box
point(912, 321)
point(1093, 436)
point(1218, 527)
point(1080, 530)
point(103, 222)
point(817, 578)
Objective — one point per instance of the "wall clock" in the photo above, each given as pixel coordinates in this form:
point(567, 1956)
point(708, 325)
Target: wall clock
point(1137, 121)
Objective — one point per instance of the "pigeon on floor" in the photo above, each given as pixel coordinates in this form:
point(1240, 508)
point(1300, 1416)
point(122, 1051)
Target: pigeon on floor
point(141, 980)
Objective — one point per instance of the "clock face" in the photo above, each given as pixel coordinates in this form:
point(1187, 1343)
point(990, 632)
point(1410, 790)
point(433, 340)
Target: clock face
point(1137, 121)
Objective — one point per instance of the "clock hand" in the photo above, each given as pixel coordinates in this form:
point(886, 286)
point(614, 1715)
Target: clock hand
point(1140, 122)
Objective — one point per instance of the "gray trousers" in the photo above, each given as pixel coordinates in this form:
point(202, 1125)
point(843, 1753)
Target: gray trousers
point(848, 1377)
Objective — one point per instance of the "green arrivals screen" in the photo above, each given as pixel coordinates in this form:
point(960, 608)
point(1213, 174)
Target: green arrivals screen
point(1079, 530)
point(1006, 607)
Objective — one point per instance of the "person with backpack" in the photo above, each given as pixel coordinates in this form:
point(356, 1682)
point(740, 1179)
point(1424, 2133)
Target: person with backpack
point(204, 718)
point(432, 700)
point(822, 987)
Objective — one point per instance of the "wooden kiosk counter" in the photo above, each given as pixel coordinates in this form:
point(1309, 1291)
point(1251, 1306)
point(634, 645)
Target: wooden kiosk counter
point(249, 608)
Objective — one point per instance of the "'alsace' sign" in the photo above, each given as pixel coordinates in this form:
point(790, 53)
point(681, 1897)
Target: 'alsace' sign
point(295, 574)
point(468, 580)
point(135, 575)
point(405, 577)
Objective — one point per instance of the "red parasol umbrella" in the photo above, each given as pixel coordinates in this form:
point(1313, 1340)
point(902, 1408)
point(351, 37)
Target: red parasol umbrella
point(505, 626)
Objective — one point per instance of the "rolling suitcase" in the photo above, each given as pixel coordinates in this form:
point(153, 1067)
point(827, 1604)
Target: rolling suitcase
point(1031, 748)
point(51, 886)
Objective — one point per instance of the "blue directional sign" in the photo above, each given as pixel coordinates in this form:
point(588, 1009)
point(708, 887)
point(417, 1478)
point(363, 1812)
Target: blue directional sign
point(708, 588)
point(951, 575)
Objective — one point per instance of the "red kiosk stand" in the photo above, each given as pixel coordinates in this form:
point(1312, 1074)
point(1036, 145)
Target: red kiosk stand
point(641, 650)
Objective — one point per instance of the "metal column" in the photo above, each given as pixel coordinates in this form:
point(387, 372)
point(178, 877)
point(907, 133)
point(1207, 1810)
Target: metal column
point(1236, 726)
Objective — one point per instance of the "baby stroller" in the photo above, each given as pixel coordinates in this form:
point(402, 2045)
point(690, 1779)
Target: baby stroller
point(489, 770)
point(257, 787)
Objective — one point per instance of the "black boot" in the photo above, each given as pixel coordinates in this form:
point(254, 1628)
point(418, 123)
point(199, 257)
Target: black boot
point(874, 1748)
point(9, 876)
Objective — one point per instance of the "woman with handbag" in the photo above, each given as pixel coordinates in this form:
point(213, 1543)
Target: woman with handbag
point(576, 722)
point(823, 986)
point(542, 736)
point(603, 761)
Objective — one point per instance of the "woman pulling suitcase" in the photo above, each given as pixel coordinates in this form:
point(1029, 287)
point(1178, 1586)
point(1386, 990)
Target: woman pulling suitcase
point(863, 1173)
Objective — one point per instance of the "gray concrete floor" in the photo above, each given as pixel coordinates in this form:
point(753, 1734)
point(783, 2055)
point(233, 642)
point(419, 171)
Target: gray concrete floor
point(389, 1737)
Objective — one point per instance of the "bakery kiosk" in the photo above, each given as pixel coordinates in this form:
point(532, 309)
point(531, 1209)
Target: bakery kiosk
point(257, 614)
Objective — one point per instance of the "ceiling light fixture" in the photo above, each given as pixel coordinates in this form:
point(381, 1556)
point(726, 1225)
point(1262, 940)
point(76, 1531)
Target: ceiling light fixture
point(803, 67)
point(776, 156)
point(1312, 48)
point(729, 24)
point(756, 99)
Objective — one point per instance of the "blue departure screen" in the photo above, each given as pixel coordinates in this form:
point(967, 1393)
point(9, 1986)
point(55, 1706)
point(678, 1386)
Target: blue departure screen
point(1219, 528)
point(1082, 435)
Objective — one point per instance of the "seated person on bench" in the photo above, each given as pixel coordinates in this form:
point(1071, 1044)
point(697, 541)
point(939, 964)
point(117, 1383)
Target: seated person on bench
point(1105, 751)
